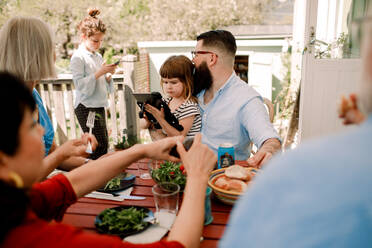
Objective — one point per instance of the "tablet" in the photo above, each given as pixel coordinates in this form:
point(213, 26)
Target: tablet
point(142, 97)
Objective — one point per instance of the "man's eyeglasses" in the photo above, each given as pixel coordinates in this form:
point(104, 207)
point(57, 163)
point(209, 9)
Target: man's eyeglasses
point(194, 53)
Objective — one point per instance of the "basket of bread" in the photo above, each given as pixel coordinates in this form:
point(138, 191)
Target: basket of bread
point(229, 183)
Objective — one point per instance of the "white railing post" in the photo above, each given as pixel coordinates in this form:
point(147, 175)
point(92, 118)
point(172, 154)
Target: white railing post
point(130, 120)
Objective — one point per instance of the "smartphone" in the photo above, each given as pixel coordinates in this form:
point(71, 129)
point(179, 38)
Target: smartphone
point(187, 143)
point(117, 62)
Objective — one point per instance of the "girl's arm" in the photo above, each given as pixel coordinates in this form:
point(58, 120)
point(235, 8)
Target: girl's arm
point(171, 131)
point(84, 81)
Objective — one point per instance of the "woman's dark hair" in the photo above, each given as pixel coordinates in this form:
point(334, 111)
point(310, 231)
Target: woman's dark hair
point(15, 98)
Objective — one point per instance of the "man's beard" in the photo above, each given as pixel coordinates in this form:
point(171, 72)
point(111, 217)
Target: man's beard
point(202, 78)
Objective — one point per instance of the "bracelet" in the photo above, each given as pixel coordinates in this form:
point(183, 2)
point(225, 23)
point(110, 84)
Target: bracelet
point(86, 160)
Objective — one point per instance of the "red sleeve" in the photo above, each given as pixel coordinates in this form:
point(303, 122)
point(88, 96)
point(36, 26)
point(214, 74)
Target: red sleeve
point(37, 233)
point(50, 198)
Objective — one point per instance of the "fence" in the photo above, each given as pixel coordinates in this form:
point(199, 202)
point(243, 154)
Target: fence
point(58, 98)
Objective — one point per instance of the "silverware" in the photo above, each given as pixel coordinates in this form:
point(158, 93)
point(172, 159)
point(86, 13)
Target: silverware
point(126, 197)
point(133, 197)
point(90, 125)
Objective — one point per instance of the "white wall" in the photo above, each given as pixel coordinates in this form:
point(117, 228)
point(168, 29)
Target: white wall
point(263, 60)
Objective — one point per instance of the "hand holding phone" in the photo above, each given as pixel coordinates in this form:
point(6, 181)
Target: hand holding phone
point(187, 143)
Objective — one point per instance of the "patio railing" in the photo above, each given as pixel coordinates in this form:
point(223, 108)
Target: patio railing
point(58, 98)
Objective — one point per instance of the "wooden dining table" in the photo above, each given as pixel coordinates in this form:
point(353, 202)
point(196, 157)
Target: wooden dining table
point(83, 213)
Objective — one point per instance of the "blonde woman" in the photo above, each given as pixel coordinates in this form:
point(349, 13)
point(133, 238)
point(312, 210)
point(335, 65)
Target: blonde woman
point(27, 51)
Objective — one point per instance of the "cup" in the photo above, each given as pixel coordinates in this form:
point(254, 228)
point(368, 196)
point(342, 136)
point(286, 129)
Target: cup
point(166, 197)
point(143, 171)
point(208, 218)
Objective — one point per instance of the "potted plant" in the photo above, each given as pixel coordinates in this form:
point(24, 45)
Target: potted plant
point(126, 141)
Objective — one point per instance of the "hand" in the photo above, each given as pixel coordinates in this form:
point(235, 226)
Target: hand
point(158, 114)
point(199, 160)
point(90, 137)
point(105, 69)
point(108, 77)
point(265, 153)
point(259, 159)
point(349, 111)
point(161, 148)
point(72, 148)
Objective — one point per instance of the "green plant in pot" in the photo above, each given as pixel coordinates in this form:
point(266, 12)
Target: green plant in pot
point(126, 141)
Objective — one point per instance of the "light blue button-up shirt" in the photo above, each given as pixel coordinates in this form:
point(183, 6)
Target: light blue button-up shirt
point(318, 195)
point(90, 92)
point(235, 115)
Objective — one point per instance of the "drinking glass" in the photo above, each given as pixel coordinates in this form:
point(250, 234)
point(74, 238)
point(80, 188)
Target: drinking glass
point(166, 197)
point(143, 171)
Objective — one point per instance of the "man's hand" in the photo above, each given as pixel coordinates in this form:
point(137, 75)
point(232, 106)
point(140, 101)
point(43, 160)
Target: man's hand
point(265, 153)
point(199, 160)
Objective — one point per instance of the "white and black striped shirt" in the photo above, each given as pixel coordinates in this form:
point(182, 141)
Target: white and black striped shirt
point(187, 109)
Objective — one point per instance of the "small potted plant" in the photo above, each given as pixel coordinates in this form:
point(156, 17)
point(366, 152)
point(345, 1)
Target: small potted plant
point(126, 141)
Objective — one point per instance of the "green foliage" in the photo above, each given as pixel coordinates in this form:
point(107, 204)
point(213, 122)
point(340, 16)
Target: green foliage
point(124, 220)
point(126, 141)
point(169, 172)
point(113, 184)
point(108, 55)
point(130, 21)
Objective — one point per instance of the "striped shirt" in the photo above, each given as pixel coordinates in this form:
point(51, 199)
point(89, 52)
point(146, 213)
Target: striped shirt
point(187, 109)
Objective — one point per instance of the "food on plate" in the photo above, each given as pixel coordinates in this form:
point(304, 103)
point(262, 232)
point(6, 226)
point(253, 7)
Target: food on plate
point(234, 178)
point(113, 184)
point(117, 221)
point(230, 184)
point(238, 172)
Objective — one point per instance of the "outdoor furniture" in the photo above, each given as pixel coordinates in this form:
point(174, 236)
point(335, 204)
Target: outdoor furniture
point(83, 213)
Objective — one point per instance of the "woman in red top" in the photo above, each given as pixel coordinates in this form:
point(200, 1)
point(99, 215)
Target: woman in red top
point(27, 207)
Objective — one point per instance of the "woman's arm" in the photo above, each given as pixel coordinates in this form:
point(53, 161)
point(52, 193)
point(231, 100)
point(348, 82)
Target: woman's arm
point(67, 156)
point(89, 177)
point(199, 162)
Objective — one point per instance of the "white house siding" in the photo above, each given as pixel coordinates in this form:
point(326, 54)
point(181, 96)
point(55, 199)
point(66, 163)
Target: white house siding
point(264, 60)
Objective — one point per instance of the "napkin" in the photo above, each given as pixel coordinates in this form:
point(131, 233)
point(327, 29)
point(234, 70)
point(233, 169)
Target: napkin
point(108, 196)
point(155, 232)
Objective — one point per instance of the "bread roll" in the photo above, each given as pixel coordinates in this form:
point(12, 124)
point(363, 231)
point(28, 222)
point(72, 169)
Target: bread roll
point(238, 172)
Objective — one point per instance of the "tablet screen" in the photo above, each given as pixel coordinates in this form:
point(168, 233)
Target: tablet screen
point(142, 97)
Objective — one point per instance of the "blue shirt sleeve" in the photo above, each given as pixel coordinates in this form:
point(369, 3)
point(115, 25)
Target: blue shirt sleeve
point(255, 118)
point(45, 122)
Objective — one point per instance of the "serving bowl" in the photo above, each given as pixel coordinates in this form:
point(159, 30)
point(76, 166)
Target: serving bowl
point(225, 196)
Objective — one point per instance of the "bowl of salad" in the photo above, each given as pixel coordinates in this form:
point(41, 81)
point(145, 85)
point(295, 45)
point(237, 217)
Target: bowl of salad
point(122, 181)
point(166, 171)
point(123, 220)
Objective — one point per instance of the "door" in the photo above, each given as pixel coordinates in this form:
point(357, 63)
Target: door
point(331, 64)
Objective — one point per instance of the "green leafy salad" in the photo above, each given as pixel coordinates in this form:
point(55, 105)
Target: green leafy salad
point(118, 221)
point(170, 172)
point(113, 184)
